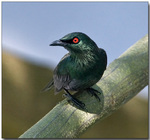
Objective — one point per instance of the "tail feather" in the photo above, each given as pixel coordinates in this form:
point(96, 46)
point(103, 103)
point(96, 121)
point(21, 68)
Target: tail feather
point(48, 86)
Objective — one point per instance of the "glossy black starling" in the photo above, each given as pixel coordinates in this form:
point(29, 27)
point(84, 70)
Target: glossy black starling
point(80, 69)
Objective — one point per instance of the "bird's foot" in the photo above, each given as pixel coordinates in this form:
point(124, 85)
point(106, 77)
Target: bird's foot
point(75, 101)
point(93, 91)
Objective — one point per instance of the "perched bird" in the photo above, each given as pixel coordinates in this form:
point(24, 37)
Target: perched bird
point(80, 69)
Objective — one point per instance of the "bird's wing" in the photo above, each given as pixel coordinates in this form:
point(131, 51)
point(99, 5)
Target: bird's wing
point(48, 86)
point(103, 56)
point(61, 81)
point(61, 75)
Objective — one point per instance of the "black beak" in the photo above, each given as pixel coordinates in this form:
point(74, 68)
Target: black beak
point(58, 43)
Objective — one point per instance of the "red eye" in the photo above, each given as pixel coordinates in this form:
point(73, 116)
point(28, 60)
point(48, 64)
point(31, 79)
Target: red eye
point(75, 40)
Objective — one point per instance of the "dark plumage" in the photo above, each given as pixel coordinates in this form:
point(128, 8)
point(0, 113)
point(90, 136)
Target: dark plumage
point(81, 68)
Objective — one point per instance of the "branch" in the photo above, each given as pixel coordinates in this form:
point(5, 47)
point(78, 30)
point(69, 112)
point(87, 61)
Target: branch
point(122, 80)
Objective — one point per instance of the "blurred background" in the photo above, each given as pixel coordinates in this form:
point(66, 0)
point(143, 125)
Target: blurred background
point(28, 61)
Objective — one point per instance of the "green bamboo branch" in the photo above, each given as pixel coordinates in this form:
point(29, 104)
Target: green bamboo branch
point(122, 80)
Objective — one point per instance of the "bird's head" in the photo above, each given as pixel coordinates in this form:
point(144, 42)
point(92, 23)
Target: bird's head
point(76, 42)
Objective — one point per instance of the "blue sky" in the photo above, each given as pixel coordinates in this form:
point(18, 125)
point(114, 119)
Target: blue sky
point(29, 27)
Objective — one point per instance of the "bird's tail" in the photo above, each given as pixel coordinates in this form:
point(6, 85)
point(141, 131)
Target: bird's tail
point(48, 86)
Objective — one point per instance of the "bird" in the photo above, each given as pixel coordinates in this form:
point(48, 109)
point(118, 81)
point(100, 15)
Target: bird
point(81, 68)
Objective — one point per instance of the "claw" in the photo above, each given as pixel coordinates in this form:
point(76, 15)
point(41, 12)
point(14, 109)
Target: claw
point(93, 92)
point(75, 101)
